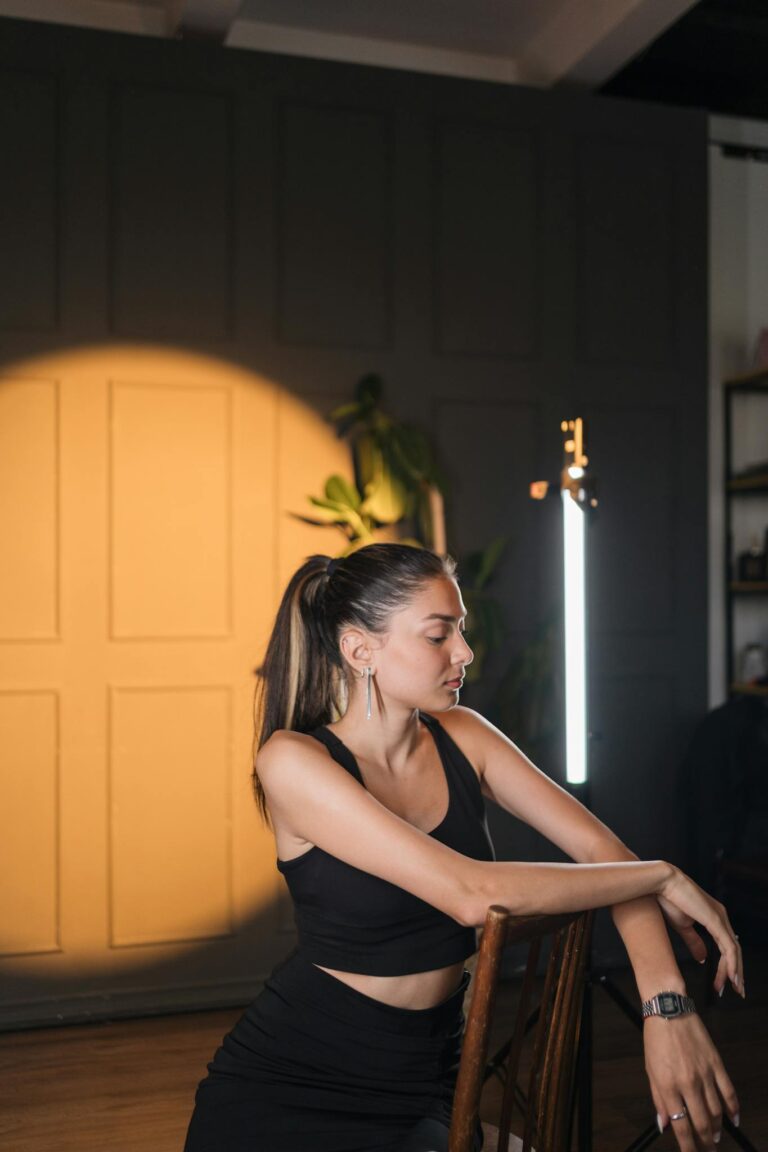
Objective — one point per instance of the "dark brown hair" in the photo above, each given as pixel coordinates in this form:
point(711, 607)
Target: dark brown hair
point(303, 678)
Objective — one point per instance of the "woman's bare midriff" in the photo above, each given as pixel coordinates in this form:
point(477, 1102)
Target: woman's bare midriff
point(414, 990)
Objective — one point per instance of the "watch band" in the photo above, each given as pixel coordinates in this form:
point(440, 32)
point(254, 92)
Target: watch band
point(668, 1005)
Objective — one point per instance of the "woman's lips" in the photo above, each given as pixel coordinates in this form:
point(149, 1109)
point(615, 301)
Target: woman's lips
point(457, 683)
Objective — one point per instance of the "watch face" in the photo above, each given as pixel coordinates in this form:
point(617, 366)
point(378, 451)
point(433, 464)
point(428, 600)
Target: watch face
point(668, 1004)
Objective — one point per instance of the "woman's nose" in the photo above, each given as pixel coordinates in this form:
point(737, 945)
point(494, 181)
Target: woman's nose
point(463, 653)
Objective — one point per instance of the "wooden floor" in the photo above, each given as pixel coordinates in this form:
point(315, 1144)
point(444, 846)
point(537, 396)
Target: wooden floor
point(128, 1086)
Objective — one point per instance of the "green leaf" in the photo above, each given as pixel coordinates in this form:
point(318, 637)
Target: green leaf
point(326, 515)
point(368, 459)
point(344, 412)
point(341, 524)
point(333, 505)
point(334, 512)
point(338, 489)
point(385, 499)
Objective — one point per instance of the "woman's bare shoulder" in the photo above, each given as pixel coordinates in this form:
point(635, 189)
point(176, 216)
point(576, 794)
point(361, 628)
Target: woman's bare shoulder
point(286, 747)
point(462, 721)
point(469, 730)
point(479, 739)
point(291, 765)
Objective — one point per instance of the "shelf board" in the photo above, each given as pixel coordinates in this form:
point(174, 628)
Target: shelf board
point(756, 586)
point(750, 689)
point(757, 483)
point(758, 379)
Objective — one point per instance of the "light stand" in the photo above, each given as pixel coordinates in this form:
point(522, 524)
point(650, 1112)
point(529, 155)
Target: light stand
point(578, 494)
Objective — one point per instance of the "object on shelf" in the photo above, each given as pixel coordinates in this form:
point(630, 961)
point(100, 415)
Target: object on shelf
point(753, 663)
point(746, 574)
point(752, 563)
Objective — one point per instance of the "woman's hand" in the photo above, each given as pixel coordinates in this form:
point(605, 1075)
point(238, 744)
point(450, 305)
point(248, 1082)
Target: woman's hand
point(684, 926)
point(687, 1075)
point(684, 902)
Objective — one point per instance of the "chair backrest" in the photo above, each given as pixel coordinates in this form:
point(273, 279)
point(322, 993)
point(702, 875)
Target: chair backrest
point(554, 1022)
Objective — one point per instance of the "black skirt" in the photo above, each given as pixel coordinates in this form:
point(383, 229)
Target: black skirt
point(316, 1066)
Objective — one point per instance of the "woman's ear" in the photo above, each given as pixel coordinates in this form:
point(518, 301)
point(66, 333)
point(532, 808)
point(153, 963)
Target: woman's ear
point(355, 649)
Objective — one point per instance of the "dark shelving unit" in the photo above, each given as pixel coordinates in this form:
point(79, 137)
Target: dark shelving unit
point(736, 488)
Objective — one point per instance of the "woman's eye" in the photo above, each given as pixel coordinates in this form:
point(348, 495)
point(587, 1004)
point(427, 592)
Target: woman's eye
point(436, 639)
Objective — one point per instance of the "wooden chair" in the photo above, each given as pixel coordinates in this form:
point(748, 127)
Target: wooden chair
point(547, 1106)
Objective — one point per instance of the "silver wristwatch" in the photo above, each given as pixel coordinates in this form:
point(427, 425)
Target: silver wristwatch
point(668, 1005)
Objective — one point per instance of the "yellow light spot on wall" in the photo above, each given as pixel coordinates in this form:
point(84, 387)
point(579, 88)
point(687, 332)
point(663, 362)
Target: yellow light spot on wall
point(145, 491)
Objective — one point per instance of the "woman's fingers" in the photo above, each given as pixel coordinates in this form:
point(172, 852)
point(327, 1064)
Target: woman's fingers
point(680, 1125)
point(668, 1104)
point(730, 952)
point(721, 975)
point(706, 1122)
point(693, 901)
point(727, 1092)
point(714, 1108)
point(694, 1111)
point(731, 965)
point(694, 943)
point(740, 969)
point(735, 958)
point(662, 1114)
point(692, 1122)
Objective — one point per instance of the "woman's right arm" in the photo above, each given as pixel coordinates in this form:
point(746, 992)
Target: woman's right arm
point(319, 801)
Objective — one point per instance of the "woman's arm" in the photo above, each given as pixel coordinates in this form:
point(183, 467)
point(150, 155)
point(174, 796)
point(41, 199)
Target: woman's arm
point(317, 800)
point(682, 1064)
point(510, 779)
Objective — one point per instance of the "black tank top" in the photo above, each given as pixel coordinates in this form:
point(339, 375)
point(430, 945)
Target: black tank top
point(354, 921)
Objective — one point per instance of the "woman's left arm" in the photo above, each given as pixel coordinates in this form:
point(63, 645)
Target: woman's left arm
point(683, 1066)
point(682, 1063)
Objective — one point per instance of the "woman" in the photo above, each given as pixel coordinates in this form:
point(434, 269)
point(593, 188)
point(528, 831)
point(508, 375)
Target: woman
point(378, 813)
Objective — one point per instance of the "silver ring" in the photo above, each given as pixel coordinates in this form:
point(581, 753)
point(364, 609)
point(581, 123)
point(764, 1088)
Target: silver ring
point(679, 1115)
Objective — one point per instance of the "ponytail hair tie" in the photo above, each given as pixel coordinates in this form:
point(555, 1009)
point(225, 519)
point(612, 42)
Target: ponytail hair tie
point(331, 567)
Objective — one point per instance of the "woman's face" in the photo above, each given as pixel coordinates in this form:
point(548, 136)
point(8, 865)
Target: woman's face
point(422, 657)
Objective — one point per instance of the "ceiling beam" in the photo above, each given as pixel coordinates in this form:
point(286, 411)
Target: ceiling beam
point(585, 44)
point(116, 16)
point(209, 19)
point(371, 51)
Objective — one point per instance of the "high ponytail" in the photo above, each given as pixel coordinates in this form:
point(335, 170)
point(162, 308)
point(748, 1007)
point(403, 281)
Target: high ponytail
point(299, 681)
point(303, 678)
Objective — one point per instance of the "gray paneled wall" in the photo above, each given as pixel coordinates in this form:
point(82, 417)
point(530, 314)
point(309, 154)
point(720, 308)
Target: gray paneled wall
point(488, 232)
point(504, 258)
point(29, 232)
point(335, 227)
point(172, 231)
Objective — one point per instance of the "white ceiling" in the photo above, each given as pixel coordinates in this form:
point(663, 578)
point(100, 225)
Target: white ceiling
point(536, 42)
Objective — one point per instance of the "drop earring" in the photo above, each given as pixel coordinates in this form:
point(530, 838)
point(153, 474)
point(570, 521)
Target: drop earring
point(368, 679)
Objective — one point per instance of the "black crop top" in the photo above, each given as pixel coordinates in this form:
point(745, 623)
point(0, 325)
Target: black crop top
point(354, 921)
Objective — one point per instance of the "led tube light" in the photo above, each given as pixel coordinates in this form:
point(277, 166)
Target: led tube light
point(574, 577)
